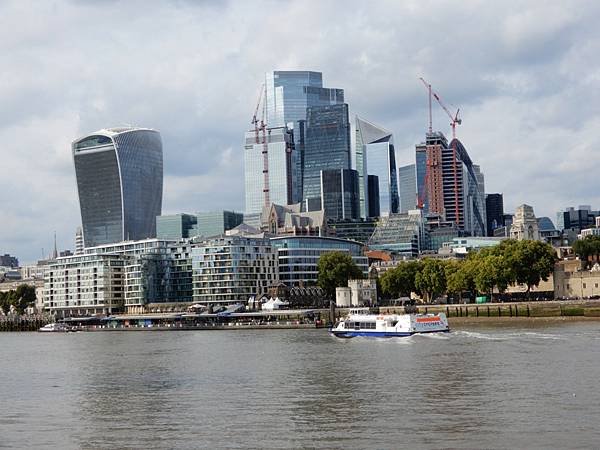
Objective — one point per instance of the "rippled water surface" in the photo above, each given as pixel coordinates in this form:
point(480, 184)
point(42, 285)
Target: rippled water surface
point(516, 385)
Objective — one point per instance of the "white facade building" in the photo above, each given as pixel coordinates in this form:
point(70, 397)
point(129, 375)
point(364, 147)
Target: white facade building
point(231, 269)
point(525, 225)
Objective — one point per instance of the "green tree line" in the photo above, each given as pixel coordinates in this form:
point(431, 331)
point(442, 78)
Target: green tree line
point(494, 268)
point(20, 298)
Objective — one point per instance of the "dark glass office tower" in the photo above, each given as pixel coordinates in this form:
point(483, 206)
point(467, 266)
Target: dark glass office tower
point(327, 145)
point(339, 194)
point(119, 175)
point(373, 199)
point(494, 209)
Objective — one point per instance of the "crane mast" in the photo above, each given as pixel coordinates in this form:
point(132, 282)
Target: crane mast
point(260, 129)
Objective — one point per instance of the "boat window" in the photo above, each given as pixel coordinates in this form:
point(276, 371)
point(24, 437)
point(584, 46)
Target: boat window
point(393, 323)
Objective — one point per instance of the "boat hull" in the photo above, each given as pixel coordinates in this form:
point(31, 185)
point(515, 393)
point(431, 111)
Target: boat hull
point(381, 334)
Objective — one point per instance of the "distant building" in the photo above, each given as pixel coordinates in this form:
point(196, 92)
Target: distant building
point(8, 261)
point(290, 220)
point(373, 196)
point(231, 269)
point(358, 293)
point(576, 219)
point(464, 245)
point(525, 225)
point(449, 184)
point(400, 234)
point(359, 230)
point(214, 223)
point(85, 285)
point(494, 211)
point(289, 93)
point(79, 241)
point(339, 194)
point(175, 226)
point(119, 175)
point(276, 182)
point(407, 183)
point(594, 231)
point(298, 257)
point(327, 145)
point(375, 154)
point(438, 231)
point(130, 276)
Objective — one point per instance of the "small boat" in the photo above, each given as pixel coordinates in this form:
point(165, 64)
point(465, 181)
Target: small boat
point(54, 328)
point(390, 325)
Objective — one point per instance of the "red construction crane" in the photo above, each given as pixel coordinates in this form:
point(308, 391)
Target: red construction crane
point(455, 120)
point(260, 127)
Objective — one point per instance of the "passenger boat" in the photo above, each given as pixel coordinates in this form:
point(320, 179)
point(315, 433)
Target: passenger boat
point(389, 325)
point(54, 328)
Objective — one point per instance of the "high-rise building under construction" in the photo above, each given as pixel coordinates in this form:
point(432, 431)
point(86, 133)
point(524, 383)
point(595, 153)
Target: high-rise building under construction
point(449, 184)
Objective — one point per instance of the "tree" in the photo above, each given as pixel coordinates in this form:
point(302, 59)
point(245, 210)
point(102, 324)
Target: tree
point(531, 261)
point(431, 280)
point(459, 277)
point(400, 281)
point(20, 298)
point(335, 269)
point(492, 271)
point(586, 248)
point(24, 296)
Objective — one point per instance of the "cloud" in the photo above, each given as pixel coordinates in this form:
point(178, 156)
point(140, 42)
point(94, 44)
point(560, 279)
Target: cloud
point(524, 75)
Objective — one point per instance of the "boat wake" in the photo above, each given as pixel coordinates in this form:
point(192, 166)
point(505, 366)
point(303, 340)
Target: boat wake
point(508, 336)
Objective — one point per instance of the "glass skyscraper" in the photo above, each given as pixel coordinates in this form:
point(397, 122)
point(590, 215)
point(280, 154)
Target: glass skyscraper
point(281, 170)
point(339, 194)
point(375, 155)
point(407, 183)
point(119, 175)
point(327, 145)
point(288, 95)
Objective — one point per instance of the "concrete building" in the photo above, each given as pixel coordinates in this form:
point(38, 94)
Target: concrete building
point(231, 269)
point(290, 220)
point(79, 241)
point(119, 175)
point(140, 276)
point(525, 225)
point(358, 293)
point(85, 285)
point(464, 245)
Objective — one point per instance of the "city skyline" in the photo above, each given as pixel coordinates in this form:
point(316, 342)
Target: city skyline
point(512, 77)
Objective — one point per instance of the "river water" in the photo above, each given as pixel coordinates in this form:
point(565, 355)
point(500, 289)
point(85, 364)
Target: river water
point(527, 385)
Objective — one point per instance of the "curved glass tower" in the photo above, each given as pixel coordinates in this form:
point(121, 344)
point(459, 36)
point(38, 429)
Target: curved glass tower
point(119, 175)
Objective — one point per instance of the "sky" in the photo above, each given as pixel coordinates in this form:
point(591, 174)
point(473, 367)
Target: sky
point(525, 75)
